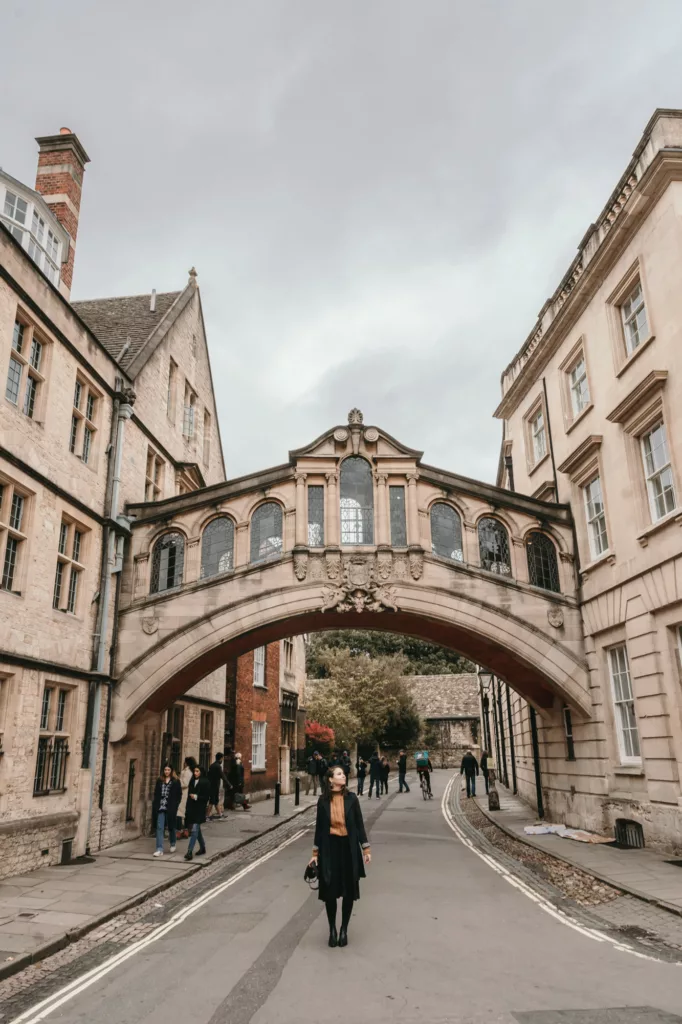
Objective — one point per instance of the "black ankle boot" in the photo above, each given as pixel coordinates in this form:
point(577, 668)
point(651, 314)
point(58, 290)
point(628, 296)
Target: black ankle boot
point(333, 937)
point(343, 936)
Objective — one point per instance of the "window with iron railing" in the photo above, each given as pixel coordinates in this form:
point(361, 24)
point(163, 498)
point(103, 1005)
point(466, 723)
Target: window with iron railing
point(53, 742)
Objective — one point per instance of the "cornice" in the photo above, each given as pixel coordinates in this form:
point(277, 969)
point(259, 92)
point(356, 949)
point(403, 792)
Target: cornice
point(589, 447)
point(639, 395)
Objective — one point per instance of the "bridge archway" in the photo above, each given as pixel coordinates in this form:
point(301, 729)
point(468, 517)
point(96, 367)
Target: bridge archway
point(323, 579)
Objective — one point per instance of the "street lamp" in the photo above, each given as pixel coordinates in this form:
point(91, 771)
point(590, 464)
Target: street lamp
point(485, 681)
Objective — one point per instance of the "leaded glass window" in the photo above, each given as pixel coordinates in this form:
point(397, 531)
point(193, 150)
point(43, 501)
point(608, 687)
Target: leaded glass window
point(493, 545)
point(396, 500)
point(266, 532)
point(168, 562)
point(357, 501)
point(217, 547)
point(446, 532)
point(543, 570)
point(316, 516)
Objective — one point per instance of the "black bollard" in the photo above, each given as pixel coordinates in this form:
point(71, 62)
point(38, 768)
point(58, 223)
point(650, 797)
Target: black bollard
point(297, 797)
point(277, 793)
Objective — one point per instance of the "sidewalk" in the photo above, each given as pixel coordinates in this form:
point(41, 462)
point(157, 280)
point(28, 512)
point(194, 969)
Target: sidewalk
point(649, 876)
point(47, 905)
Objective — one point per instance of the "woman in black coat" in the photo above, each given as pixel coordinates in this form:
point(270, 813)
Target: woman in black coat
point(195, 815)
point(167, 797)
point(341, 851)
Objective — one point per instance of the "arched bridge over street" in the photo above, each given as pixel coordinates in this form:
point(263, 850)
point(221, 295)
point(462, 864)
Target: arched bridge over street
point(354, 530)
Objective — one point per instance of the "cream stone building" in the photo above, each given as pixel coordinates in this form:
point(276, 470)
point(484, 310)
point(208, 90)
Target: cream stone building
point(591, 414)
point(105, 403)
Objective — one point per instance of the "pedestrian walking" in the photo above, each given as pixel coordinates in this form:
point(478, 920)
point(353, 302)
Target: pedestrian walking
point(216, 775)
point(185, 778)
point(197, 801)
point(361, 769)
point(402, 772)
point(374, 775)
point(385, 771)
point(484, 769)
point(345, 764)
point(167, 797)
point(229, 767)
point(340, 850)
point(313, 772)
point(239, 794)
point(469, 769)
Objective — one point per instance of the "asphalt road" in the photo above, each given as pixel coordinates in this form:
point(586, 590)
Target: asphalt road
point(438, 936)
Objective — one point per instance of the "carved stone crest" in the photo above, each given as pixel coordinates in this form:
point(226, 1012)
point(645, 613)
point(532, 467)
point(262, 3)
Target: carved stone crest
point(360, 590)
point(416, 564)
point(300, 564)
point(150, 625)
point(555, 617)
point(355, 417)
point(333, 562)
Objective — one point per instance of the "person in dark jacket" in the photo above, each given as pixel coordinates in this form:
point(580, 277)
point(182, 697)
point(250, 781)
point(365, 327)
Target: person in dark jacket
point(229, 769)
point(313, 768)
point(197, 802)
point(361, 769)
point(340, 850)
point(402, 772)
point(385, 772)
point(374, 774)
point(216, 775)
point(469, 769)
point(167, 797)
point(345, 764)
point(484, 769)
point(239, 794)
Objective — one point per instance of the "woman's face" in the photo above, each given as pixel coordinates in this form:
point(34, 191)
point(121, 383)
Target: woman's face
point(197, 772)
point(167, 772)
point(338, 778)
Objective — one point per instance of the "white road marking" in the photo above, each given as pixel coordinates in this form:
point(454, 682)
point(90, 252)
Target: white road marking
point(544, 904)
point(41, 1010)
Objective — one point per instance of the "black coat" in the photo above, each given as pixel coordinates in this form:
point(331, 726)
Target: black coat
point(385, 771)
point(402, 764)
point(357, 836)
point(484, 763)
point(174, 799)
point(361, 769)
point(374, 768)
point(195, 812)
point(469, 765)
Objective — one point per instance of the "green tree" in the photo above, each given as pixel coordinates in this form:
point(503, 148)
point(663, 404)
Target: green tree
point(421, 658)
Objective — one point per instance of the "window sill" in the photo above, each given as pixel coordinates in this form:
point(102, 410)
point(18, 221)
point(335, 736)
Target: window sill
point(536, 465)
point(629, 769)
point(635, 355)
point(258, 771)
point(12, 593)
point(577, 419)
point(259, 686)
point(674, 516)
point(608, 557)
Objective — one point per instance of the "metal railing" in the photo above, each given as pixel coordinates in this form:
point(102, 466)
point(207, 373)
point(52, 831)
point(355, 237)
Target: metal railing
point(50, 776)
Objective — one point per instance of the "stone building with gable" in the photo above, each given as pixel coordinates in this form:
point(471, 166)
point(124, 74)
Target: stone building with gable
point(449, 708)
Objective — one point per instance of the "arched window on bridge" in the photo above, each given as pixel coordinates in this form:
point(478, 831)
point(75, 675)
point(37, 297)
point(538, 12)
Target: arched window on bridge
point(446, 532)
point(543, 570)
point(357, 501)
point(217, 547)
point(493, 544)
point(168, 561)
point(266, 532)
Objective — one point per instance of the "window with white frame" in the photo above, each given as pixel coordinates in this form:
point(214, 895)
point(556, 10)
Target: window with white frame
point(538, 435)
point(258, 746)
point(26, 371)
point(207, 437)
point(578, 386)
point(658, 472)
point(153, 487)
point(259, 666)
point(288, 652)
point(634, 318)
point(15, 211)
point(68, 574)
point(13, 524)
point(53, 740)
point(189, 415)
point(624, 705)
point(596, 517)
point(83, 420)
point(40, 241)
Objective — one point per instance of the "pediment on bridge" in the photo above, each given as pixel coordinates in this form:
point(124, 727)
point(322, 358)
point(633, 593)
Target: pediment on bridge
point(353, 438)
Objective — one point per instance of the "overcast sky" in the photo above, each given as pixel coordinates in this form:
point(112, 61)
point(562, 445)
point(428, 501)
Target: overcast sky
point(378, 195)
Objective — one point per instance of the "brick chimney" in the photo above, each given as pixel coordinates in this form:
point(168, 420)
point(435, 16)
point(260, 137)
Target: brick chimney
point(61, 165)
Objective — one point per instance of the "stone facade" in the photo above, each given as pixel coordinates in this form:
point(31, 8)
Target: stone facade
point(602, 366)
point(450, 710)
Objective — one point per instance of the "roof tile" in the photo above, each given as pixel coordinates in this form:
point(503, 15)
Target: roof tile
point(114, 321)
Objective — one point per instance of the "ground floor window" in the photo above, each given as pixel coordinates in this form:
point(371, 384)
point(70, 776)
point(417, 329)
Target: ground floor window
point(172, 740)
point(624, 705)
point(53, 741)
point(258, 745)
point(205, 739)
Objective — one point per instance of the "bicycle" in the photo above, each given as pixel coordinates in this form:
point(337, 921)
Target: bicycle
point(424, 785)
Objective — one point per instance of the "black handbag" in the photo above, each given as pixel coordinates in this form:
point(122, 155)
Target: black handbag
point(311, 875)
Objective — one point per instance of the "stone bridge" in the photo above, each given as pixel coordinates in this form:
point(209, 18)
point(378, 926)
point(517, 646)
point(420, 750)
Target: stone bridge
point(354, 530)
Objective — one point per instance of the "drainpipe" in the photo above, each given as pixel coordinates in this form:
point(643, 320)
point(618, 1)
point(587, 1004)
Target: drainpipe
point(123, 413)
point(512, 750)
point(536, 761)
point(503, 746)
point(551, 443)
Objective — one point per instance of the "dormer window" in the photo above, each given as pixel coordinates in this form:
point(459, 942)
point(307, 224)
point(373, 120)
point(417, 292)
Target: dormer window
point(16, 209)
point(42, 243)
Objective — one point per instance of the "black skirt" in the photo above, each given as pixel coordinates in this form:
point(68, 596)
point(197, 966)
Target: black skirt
point(343, 884)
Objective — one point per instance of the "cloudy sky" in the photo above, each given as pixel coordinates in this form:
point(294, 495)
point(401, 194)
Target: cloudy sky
point(378, 195)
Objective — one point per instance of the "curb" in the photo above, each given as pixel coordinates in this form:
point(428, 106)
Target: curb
point(643, 896)
point(24, 960)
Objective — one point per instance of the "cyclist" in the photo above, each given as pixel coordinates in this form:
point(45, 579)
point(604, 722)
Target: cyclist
point(424, 768)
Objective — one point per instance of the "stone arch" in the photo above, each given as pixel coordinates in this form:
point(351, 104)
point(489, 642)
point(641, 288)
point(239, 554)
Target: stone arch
point(261, 499)
point(261, 505)
point(541, 527)
point(150, 539)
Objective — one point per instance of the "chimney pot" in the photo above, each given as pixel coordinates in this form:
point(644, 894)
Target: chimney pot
point(65, 131)
point(152, 301)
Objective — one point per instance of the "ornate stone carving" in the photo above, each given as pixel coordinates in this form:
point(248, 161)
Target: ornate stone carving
point(355, 417)
point(359, 590)
point(333, 563)
point(316, 569)
point(371, 435)
point(400, 568)
point(416, 564)
point(150, 625)
point(340, 434)
point(384, 564)
point(300, 564)
point(555, 617)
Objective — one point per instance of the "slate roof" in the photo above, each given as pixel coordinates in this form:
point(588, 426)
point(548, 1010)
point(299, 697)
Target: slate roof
point(447, 696)
point(113, 321)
